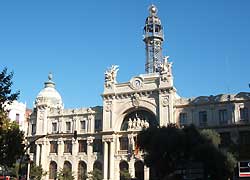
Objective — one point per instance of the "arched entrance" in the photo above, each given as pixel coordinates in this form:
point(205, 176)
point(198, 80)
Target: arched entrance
point(82, 170)
point(52, 170)
point(139, 170)
point(123, 170)
point(138, 119)
point(67, 166)
point(97, 169)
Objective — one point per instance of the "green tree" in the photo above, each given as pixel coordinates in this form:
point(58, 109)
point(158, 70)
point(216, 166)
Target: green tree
point(212, 135)
point(169, 149)
point(96, 174)
point(65, 174)
point(36, 172)
point(11, 138)
point(125, 175)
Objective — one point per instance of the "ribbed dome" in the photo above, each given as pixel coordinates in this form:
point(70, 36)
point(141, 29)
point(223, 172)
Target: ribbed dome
point(49, 95)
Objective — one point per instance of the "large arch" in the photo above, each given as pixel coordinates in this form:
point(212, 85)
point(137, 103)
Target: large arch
point(123, 166)
point(139, 170)
point(126, 108)
point(138, 118)
point(82, 170)
point(52, 170)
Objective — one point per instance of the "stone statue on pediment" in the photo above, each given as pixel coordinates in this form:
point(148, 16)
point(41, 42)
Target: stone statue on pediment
point(165, 67)
point(110, 74)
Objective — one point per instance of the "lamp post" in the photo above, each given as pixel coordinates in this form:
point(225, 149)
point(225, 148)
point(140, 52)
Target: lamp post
point(25, 150)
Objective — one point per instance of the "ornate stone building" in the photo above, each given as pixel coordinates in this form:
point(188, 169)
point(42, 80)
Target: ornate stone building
point(104, 137)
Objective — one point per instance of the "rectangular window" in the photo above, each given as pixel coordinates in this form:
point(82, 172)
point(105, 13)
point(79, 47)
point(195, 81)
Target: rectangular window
point(244, 114)
point(17, 118)
point(98, 125)
point(54, 127)
point(33, 129)
point(223, 119)
point(183, 119)
point(203, 118)
point(244, 137)
point(68, 126)
point(53, 147)
point(83, 125)
point(225, 139)
point(97, 145)
point(67, 146)
point(33, 147)
point(82, 146)
point(123, 143)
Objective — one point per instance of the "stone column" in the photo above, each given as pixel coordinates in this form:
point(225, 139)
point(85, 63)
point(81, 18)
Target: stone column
point(146, 173)
point(105, 164)
point(89, 153)
point(60, 147)
point(132, 167)
point(38, 154)
point(112, 159)
point(74, 147)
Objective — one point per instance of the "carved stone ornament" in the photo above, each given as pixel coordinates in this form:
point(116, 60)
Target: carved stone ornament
point(108, 106)
point(41, 114)
point(90, 140)
point(108, 139)
point(110, 75)
point(165, 101)
point(136, 83)
point(135, 100)
point(165, 67)
point(137, 123)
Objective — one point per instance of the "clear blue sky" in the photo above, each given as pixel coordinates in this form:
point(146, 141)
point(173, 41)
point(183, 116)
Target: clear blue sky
point(208, 42)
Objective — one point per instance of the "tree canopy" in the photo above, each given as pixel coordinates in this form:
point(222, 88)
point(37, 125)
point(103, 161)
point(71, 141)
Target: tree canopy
point(169, 149)
point(11, 138)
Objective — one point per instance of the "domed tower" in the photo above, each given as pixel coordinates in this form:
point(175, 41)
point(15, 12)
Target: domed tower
point(49, 96)
point(153, 38)
point(48, 99)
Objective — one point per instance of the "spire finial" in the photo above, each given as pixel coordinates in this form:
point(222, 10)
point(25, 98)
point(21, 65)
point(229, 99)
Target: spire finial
point(50, 76)
point(152, 10)
point(49, 83)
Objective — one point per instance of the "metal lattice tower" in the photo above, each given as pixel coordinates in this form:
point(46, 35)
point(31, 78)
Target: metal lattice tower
point(153, 38)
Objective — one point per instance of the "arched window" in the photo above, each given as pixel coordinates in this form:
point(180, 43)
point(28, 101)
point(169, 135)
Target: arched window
point(67, 166)
point(97, 169)
point(139, 170)
point(52, 170)
point(123, 170)
point(82, 171)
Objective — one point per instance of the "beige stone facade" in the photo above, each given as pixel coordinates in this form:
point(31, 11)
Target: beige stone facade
point(105, 137)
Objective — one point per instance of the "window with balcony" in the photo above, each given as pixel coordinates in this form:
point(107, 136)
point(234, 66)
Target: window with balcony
point(183, 119)
point(123, 143)
point(33, 129)
point(98, 125)
point(225, 139)
point(33, 147)
point(68, 127)
point(97, 147)
point(54, 127)
point(203, 118)
point(53, 147)
point(223, 117)
point(244, 114)
point(83, 125)
point(82, 146)
point(68, 146)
